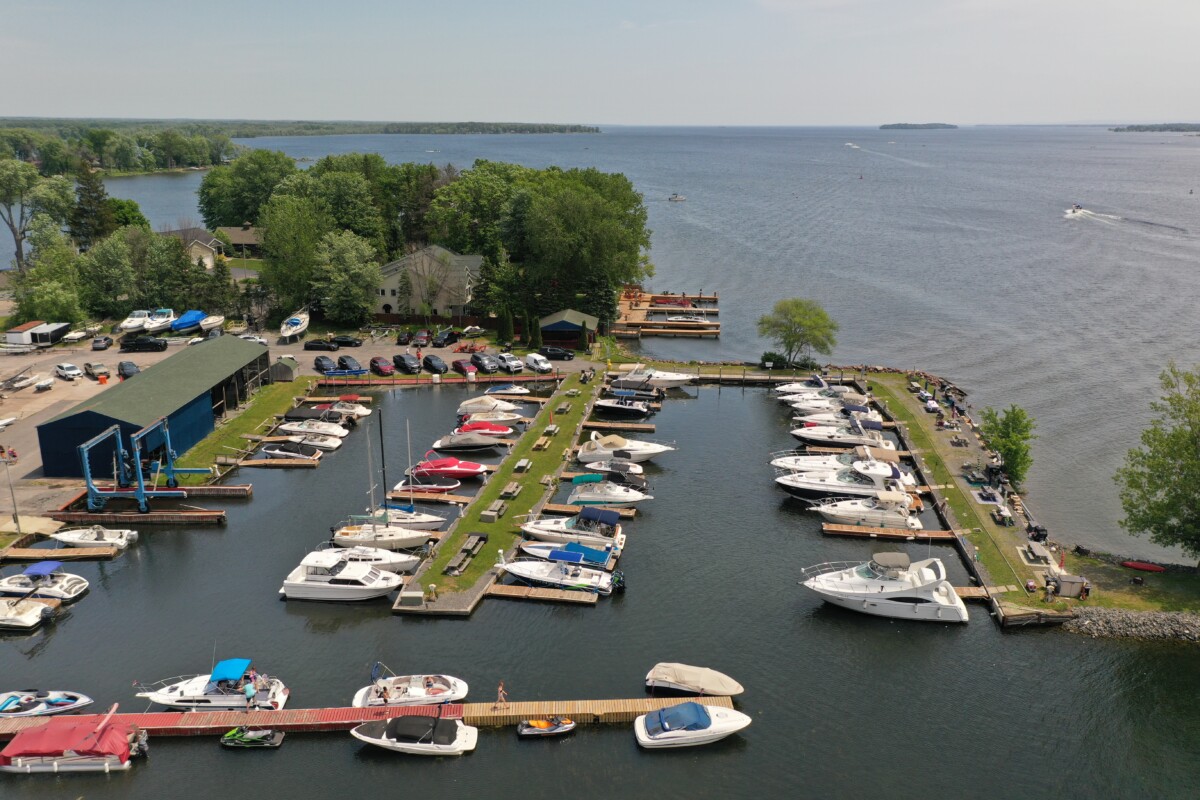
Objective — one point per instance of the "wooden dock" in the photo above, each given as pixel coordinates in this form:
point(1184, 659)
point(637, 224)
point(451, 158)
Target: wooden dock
point(570, 511)
point(583, 712)
point(279, 463)
point(137, 519)
point(637, 427)
point(544, 594)
point(431, 497)
point(972, 593)
point(838, 450)
point(215, 490)
point(902, 534)
point(58, 553)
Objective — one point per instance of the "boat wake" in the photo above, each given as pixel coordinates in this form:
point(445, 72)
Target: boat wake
point(1115, 219)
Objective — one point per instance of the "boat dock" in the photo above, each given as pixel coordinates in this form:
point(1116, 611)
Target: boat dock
point(634, 427)
point(58, 553)
point(902, 534)
point(635, 307)
point(431, 497)
point(570, 510)
point(522, 592)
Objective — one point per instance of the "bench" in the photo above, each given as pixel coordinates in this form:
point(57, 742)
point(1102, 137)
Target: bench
point(510, 490)
point(542, 443)
point(1038, 552)
point(546, 480)
point(523, 465)
point(494, 511)
point(551, 430)
point(457, 564)
point(468, 551)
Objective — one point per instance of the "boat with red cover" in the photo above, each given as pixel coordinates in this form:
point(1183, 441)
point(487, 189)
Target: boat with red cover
point(1144, 566)
point(74, 744)
point(484, 428)
point(448, 467)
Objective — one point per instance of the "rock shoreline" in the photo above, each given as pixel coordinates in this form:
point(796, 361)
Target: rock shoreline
point(1112, 623)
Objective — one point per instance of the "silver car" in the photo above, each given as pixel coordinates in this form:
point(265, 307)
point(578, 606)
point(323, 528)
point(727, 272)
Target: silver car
point(510, 363)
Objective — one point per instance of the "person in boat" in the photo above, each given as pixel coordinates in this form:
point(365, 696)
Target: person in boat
point(384, 694)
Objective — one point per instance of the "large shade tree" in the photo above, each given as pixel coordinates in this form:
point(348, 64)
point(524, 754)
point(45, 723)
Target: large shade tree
point(24, 193)
point(233, 194)
point(1010, 433)
point(799, 327)
point(292, 228)
point(346, 277)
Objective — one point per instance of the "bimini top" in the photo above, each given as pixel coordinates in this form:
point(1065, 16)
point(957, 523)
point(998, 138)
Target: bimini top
point(900, 498)
point(683, 717)
point(700, 679)
point(422, 730)
point(62, 734)
point(604, 516)
point(43, 569)
point(231, 669)
point(587, 477)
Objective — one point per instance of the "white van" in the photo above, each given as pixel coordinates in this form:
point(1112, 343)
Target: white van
point(538, 363)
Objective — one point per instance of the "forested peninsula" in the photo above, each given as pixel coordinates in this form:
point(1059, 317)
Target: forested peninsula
point(918, 126)
point(1166, 127)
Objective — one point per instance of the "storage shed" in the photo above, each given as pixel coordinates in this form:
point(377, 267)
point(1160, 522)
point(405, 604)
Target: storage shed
point(192, 389)
point(48, 333)
point(20, 334)
point(563, 327)
point(285, 370)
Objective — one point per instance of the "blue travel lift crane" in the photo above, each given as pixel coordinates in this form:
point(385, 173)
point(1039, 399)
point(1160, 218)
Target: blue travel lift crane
point(127, 470)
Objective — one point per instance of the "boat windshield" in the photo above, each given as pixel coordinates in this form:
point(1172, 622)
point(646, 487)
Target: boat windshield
point(850, 476)
point(874, 572)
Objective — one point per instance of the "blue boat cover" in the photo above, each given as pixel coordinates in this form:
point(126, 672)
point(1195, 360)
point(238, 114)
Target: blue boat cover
point(43, 568)
point(590, 477)
point(409, 508)
point(623, 393)
point(564, 557)
point(602, 515)
point(896, 472)
point(187, 320)
point(851, 409)
point(683, 717)
point(871, 425)
point(231, 669)
point(589, 553)
point(293, 321)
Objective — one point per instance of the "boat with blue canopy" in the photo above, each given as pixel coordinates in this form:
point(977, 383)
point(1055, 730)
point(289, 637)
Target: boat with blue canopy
point(570, 553)
point(688, 725)
point(226, 687)
point(295, 325)
point(187, 321)
point(45, 579)
point(591, 527)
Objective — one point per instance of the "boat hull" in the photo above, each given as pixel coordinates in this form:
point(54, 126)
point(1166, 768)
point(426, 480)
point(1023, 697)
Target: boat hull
point(66, 764)
point(385, 537)
point(464, 743)
point(922, 612)
point(40, 704)
point(302, 590)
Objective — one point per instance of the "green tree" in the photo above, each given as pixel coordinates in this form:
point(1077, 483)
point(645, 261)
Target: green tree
point(799, 327)
point(1160, 480)
point(534, 328)
point(504, 326)
point(127, 212)
point(346, 279)
point(292, 228)
point(47, 300)
point(1010, 434)
point(24, 193)
point(92, 218)
point(348, 197)
point(48, 288)
point(585, 343)
point(106, 279)
point(218, 294)
point(234, 194)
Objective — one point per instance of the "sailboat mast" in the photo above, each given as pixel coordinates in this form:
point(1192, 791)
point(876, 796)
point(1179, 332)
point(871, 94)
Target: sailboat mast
point(382, 457)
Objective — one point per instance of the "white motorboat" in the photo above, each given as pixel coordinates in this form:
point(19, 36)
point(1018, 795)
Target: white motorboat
point(889, 585)
point(318, 441)
point(572, 553)
point(377, 557)
point(45, 579)
point(291, 450)
point(136, 321)
point(326, 575)
point(604, 493)
point(860, 479)
point(687, 318)
point(823, 404)
point(619, 466)
point(28, 380)
point(419, 735)
point(622, 406)
point(40, 703)
point(591, 527)
point(798, 462)
point(484, 429)
point(309, 426)
point(693, 680)
point(95, 536)
point(643, 377)
point(21, 614)
point(484, 403)
point(601, 448)
point(159, 321)
point(854, 432)
point(883, 510)
point(294, 325)
point(493, 416)
point(212, 321)
point(560, 575)
point(71, 744)
point(688, 725)
point(407, 516)
point(507, 388)
point(223, 689)
point(379, 533)
point(815, 383)
point(408, 690)
point(350, 409)
point(846, 412)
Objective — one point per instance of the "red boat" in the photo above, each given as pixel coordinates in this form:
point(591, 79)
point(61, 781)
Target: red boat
point(485, 428)
point(1144, 566)
point(449, 467)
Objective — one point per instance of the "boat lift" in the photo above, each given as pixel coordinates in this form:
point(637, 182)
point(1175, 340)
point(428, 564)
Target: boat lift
point(167, 465)
point(128, 477)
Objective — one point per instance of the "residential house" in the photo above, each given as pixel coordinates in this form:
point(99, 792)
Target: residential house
point(201, 245)
point(432, 281)
point(245, 239)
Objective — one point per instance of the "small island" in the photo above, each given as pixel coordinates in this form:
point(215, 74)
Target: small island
point(918, 126)
point(1165, 127)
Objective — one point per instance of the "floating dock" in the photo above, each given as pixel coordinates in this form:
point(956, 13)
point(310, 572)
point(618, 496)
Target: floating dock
point(137, 519)
point(636, 306)
point(636, 427)
point(570, 511)
point(902, 534)
point(544, 594)
point(58, 553)
point(431, 497)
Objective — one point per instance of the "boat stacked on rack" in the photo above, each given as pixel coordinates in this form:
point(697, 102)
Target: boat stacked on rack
point(889, 585)
point(161, 320)
point(136, 321)
point(295, 324)
point(223, 689)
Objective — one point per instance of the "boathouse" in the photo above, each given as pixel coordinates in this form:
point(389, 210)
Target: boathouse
point(192, 389)
point(563, 327)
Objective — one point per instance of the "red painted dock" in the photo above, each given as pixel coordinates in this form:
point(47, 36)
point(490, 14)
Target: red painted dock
point(217, 723)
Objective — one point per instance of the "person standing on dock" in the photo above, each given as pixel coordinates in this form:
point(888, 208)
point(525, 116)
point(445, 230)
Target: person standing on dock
point(251, 690)
point(501, 697)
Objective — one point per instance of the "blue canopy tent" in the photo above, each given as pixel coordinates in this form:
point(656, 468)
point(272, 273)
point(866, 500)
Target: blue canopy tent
point(231, 669)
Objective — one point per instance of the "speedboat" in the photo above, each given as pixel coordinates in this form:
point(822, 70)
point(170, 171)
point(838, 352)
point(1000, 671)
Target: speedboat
point(687, 318)
point(688, 725)
point(408, 690)
point(212, 321)
point(889, 585)
point(599, 492)
point(377, 557)
point(448, 467)
point(861, 479)
point(136, 321)
point(507, 388)
point(318, 441)
point(419, 735)
point(571, 577)
point(551, 726)
point(815, 383)
point(326, 575)
point(308, 426)
point(483, 429)
point(854, 432)
point(188, 320)
point(883, 510)
point(838, 417)
point(804, 404)
point(571, 553)
point(643, 377)
point(375, 533)
point(21, 614)
point(492, 416)
point(72, 744)
point(346, 408)
point(159, 321)
point(223, 689)
point(619, 466)
point(40, 703)
point(591, 527)
point(431, 484)
point(484, 403)
point(600, 448)
point(295, 325)
point(95, 536)
point(291, 450)
point(692, 680)
point(45, 579)
point(625, 407)
point(466, 443)
point(407, 516)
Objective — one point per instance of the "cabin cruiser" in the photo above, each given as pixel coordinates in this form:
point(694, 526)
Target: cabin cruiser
point(592, 527)
point(622, 405)
point(643, 377)
point(692, 680)
point(466, 443)
point(815, 383)
point(291, 450)
point(21, 614)
point(309, 426)
point(600, 448)
point(484, 403)
point(95, 536)
point(377, 557)
point(822, 404)
point(507, 388)
point(136, 321)
point(45, 579)
point(862, 479)
point(560, 575)
point(221, 690)
point(491, 416)
point(162, 319)
point(571, 553)
point(408, 690)
point(72, 744)
point(854, 432)
point(687, 318)
point(295, 325)
point(374, 532)
point(798, 462)
point(848, 411)
point(599, 492)
point(40, 703)
point(883, 510)
point(620, 466)
point(419, 735)
point(688, 725)
point(449, 467)
point(483, 429)
point(889, 585)
point(326, 575)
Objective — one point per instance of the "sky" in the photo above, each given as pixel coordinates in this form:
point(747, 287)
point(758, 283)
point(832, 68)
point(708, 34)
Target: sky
point(618, 62)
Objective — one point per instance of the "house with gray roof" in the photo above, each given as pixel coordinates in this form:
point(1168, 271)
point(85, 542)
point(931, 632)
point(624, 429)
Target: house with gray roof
point(432, 281)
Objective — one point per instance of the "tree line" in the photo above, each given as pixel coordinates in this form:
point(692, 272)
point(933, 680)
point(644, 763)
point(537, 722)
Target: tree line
point(59, 150)
point(248, 129)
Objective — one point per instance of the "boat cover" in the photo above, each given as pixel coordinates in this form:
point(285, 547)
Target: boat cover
point(852, 409)
point(590, 554)
point(612, 442)
point(231, 669)
point(43, 569)
point(189, 319)
point(590, 477)
point(61, 734)
point(603, 516)
point(700, 679)
point(422, 730)
point(892, 560)
point(899, 498)
point(623, 393)
point(683, 717)
point(563, 557)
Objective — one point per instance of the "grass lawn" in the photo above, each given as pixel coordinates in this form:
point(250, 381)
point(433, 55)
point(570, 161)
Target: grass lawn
point(6, 539)
point(248, 264)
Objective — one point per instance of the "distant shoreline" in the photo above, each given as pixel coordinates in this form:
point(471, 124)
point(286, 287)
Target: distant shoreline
point(1166, 127)
point(918, 126)
point(251, 129)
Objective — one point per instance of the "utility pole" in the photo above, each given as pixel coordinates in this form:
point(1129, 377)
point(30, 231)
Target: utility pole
point(12, 492)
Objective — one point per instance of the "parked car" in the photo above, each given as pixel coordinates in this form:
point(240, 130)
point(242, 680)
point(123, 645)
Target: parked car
point(253, 337)
point(557, 353)
point(434, 364)
point(348, 363)
point(381, 365)
point(321, 344)
point(346, 341)
point(405, 337)
point(102, 342)
point(439, 340)
point(451, 335)
point(421, 339)
point(407, 362)
point(68, 372)
point(463, 366)
point(95, 369)
point(538, 363)
point(510, 363)
point(485, 363)
point(127, 369)
point(143, 344)
point(323, 364)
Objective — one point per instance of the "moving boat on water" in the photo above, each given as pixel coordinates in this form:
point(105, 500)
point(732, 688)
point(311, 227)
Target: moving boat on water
point(692, 680)
point(688, 725)
point(593, 490)
point(291, 450)
point(601, 448)
point(40, 703)
point(212, 321)
point(45, 579)
point(71, 744)
point(448, 467)
point(136, 321)
point(483, 429)
point(571, 577)
point(161, 320)
point(223, 689)
point(882, 510)
point(295, 325)
point(307, 426)
point(889, 585)
point(326, 575)
point(419, 735)
point(188, 320)
point(643, 377)
point(570, 553)
point(854, 432)
point(388, 689)
point(95, 536)
point(466, 443)
point(484, 403)
point(591, 527)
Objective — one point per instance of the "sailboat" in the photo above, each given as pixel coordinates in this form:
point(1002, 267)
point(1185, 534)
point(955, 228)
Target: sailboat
point(406, 515)
point(295, 325)
point(375, 530)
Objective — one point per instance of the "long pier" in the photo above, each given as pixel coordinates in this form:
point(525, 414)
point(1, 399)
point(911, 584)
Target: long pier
point(545, 594)
point(58, 553)
point(902, 534)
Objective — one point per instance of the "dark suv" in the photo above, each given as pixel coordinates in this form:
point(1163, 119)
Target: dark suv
point(320, 344)
point(349, 363)
point(557, 353)
point(407, 362)
point(434, 364)
point(346, 341)
point(143, 344)
point(323, 364)
point(485, 363)
point(405, 337)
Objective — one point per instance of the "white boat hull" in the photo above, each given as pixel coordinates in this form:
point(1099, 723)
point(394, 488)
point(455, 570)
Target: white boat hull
point(562, 576)
point(410, 690)
point(23, 615)
point(211, 322)
point(386, 537)
point(30, 704)
point(188, 695)
point(464, 743)
point(64, 586)
point(545, 531)
point(725, 722)
point(925, 612)
point(95, 536)
point(296, 588)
